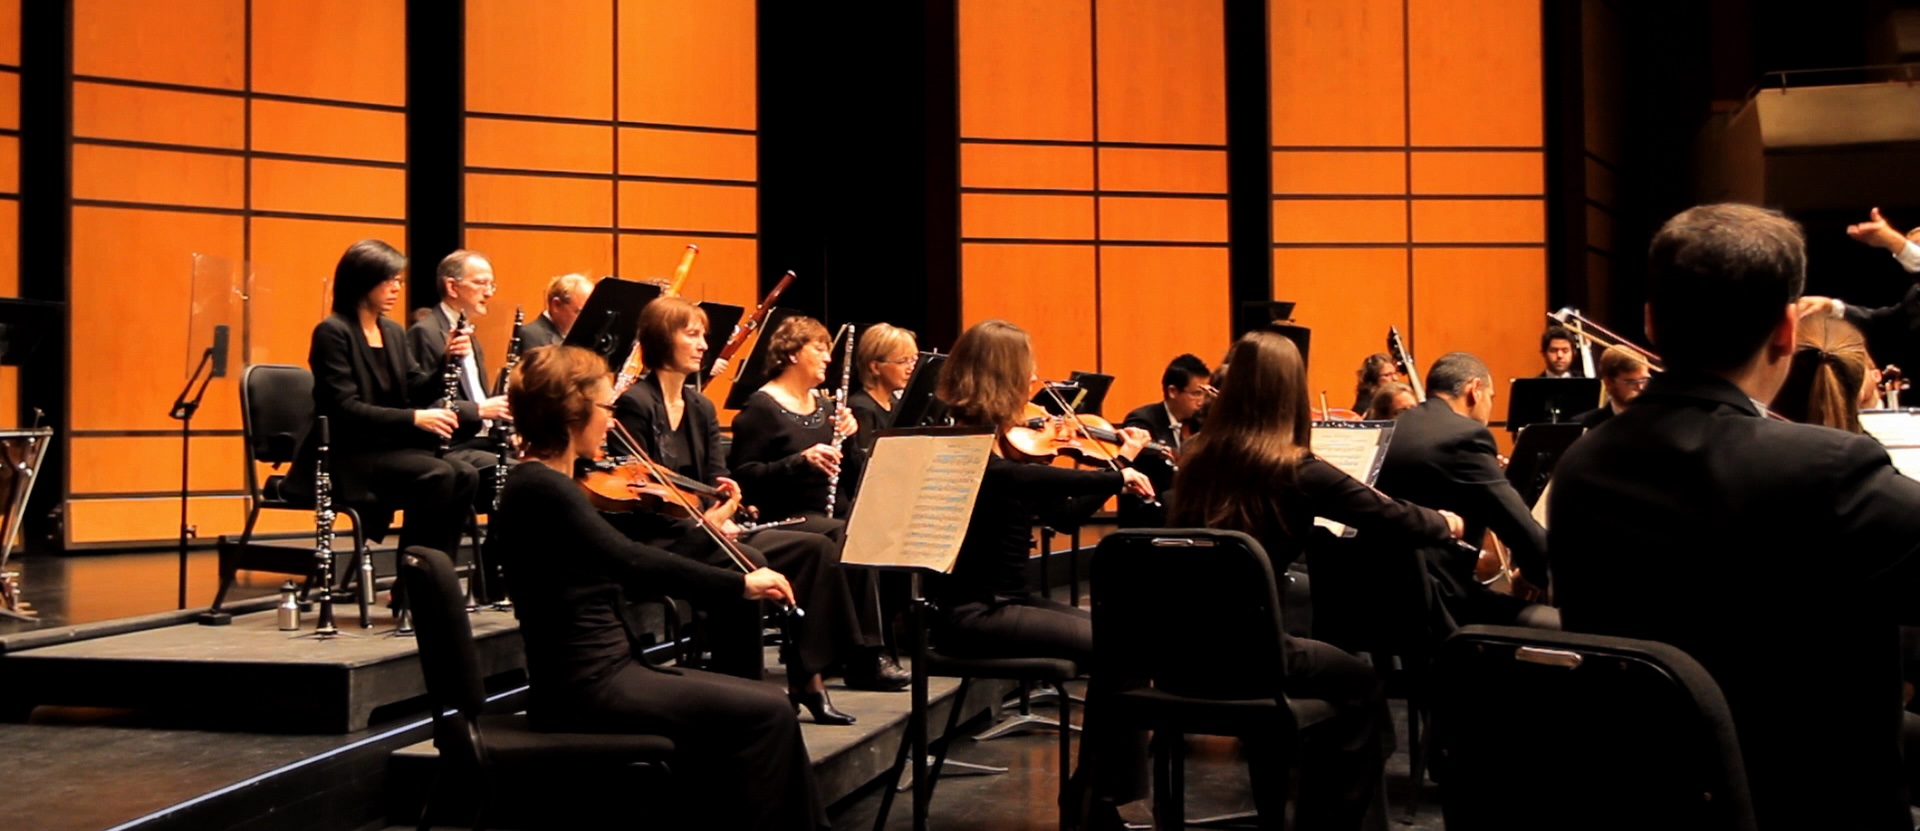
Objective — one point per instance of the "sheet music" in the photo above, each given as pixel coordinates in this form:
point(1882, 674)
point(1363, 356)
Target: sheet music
point(1899, 432)
point(1355, 447)
point(916, 499)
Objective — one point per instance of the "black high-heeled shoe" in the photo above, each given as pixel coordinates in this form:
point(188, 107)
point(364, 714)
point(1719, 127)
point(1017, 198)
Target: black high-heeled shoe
point(818, 704)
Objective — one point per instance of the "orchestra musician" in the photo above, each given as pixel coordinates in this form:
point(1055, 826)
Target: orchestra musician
point(678, 427)
point(783, 451)
point(1726, 507)
point(377, 401)
point(1894, 331)
point(1375, 372)
point(1442, 456)
point(739, 757)
point(883, 360)
point(1389, 401)
point(1183, 392)
point(986, 607)
point(1253, 470)
point(1830, 378)
point(1623, 375)
point(566, 298)
point(1557, 350)
point(465, 281)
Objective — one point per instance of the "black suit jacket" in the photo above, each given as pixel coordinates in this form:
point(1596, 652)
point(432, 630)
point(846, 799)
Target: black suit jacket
point(1447, 461)
point(1594, 417)
point(1135, 512)
point(364, 418)
point(427, 337)
point(540, 332)
point(643, 411)
point(1779, 555)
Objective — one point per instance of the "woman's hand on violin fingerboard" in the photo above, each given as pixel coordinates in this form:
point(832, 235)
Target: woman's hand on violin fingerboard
point(1137, 483)
point(1136, 440)
point(824, 457)
point(767, 584)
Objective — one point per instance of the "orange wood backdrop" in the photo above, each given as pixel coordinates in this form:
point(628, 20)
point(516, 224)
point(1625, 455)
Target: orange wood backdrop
point(277, 144)
point(1093, 182)
point(1408, 179)
point(603, 137)
point(9, 188)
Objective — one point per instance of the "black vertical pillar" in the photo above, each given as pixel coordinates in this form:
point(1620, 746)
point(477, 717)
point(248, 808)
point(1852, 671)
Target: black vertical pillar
point(436, 140)
point(802, 178)
point(46, 217)
point(939, 195)
point(1562, 86)
point(1249, 156)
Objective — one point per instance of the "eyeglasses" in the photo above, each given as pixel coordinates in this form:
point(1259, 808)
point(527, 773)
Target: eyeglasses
point(1636, 383)
point(604, 406)
point(904, 360)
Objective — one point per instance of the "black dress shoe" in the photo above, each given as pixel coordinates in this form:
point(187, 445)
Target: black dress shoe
point(880, 674)
point(821, 707)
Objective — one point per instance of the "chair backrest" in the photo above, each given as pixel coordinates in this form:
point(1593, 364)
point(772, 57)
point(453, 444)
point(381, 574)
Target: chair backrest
point(1537, 728)
point(445, 637)
point(1193, 612)
point(276, 411)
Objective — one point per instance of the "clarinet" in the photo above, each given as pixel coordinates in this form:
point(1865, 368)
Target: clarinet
point(502, 429)
point(450, 377)
point(839, 405)
point(323, 534)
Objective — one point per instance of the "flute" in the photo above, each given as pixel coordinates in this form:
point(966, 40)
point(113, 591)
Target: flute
point(839, 406)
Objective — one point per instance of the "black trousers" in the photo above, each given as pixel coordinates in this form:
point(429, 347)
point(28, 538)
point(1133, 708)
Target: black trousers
point(863, 584)
point(738, 748)
point(433, 492)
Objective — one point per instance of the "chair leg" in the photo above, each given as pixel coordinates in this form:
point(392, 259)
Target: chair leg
point(941, 744)
point(1046, 549)
point(230, 569)
point(1073, 567)
point(1416, 755)
point(426, 803)
point(1066, 750)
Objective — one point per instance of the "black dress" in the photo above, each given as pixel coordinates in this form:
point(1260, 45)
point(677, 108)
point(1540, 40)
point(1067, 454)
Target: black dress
point(377, 458)
point(869, 419)
point(766, 460)
point(739, 748)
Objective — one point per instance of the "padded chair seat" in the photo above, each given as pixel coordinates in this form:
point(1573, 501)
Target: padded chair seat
point(1221, 717)
point(1011, 669)
point(511, 740)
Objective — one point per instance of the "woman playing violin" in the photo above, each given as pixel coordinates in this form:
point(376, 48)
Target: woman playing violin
point(987, 608)
point(1253, 470)
point(677, 426)
point(739, 748)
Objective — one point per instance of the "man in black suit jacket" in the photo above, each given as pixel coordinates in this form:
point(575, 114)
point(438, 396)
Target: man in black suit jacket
point(1624, 375)
point(1692, 519)
point(1443, 457)
point(566, 298)
point(465, 279)
point(1183, 391)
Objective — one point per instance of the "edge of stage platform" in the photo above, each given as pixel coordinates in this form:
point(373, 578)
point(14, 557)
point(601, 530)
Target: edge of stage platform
point(249, 675)
point(36, 638)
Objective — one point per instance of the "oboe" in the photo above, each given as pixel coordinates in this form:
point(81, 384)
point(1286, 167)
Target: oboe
point(323, 534)
point(840, 406)
point(450, 377)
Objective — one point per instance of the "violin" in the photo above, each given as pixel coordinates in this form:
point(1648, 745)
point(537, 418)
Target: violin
point(1041, 435)
point(1892, 383)
point(616, 485)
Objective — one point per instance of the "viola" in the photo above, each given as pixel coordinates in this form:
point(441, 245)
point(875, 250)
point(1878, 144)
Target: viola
point(616, 485)
point(1040, 434)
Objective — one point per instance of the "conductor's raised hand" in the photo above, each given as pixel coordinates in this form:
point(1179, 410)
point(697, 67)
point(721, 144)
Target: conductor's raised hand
point(440, 422)
point(1877, 232)
point(767, 584)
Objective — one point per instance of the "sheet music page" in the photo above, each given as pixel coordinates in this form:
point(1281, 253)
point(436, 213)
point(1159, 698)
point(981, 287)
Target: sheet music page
point(916, 499)
point(1356, 448)
point(1899, 432)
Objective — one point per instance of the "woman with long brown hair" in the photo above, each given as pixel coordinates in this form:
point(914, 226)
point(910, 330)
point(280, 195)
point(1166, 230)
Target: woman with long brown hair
point(1831, 378)
point(1253, 470)
point(739, 749)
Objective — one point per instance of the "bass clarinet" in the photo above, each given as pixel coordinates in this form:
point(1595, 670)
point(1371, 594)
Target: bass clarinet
point(840, 406)
point(323, 534)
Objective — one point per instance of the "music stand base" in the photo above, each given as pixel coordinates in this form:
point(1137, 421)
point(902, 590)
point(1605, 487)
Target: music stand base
point(16, 614)
point(211, 618)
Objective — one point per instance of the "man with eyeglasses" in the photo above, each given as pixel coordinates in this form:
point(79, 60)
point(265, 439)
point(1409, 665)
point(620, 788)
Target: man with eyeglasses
point(465, 280)
point(1183, 392)
point(1623, 375)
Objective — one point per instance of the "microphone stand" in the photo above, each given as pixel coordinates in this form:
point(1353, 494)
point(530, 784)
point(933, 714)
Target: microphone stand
point(184, 406)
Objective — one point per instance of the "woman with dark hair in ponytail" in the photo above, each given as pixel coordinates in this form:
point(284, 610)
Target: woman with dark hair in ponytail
point(1831, 378)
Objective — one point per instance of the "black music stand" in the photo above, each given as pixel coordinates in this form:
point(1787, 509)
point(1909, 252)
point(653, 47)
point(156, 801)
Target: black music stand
point(753, 373)
point(1096, 384)
point(1056, 396)
point(917, 406)
point(721, 318)
point(1256, 314)
point(1536, 449)
point(610, 322)
point(1550, 400)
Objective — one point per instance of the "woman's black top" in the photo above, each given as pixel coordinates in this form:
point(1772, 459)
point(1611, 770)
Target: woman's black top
point(869, 419)
point(569, 572)
point(766, 460)
point(1318, 489)
point(1013, 497)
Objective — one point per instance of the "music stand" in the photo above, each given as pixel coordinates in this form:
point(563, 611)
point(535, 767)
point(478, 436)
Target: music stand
point(721, 318)
point(1536, 449)
point(23, 324)
point(753, 372)
point(1096, 384)
point(918, 406)
point(1255, 314)
point(1550, 400)
point(1054, 393)
point(610, 322)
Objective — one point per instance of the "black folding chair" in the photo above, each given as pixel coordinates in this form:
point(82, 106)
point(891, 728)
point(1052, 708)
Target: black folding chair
point(1187, 629)
point(474, 746)
point(1582, 732)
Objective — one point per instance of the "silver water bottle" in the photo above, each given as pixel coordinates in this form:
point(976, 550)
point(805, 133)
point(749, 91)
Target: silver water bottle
point(289, 607)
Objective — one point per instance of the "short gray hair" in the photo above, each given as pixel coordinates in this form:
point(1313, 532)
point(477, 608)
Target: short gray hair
point(1454, 371)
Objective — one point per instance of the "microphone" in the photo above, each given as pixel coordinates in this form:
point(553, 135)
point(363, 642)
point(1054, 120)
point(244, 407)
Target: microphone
point(220, 351)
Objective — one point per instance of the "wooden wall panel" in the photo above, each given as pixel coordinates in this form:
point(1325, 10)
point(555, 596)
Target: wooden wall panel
point(332, 189)
point(152, 463)
point(676, 206)
point(661, 39)
point(194, 42)
point(1146, 219)
point(725, 271)
point(1008, 216)
point(161, 177)
point(539, 200)
point(540, 57)
point(352, 50)
point(10, 32)
point(1475, 73)
point(156, 115)
point(1348, 296)
point(1489, 173)
point(1026, 167)
point(1317, 172)
point(1479, 220)
point(649, 152)
point(331, 131)
point(1337, 71)
point(293, 274)
point(1026, 69)
point(1166, 171)
point(1339, 221)
point(1485, 301)
point(1047, 290)
point(539, 145)
point(1162, 71)
point(1156, 303)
